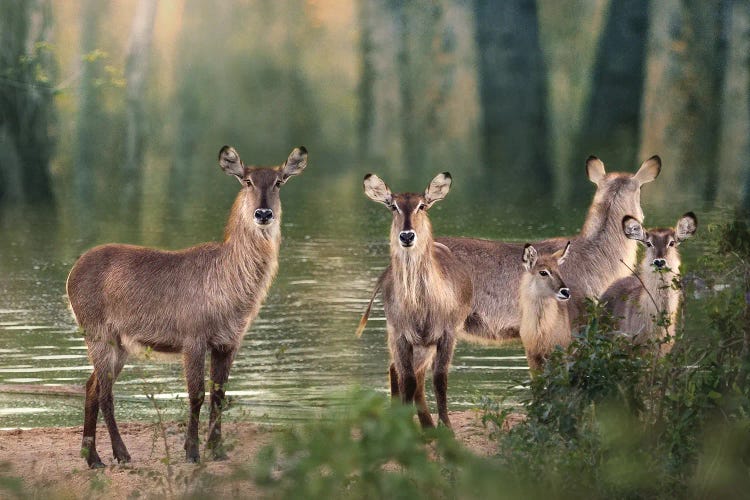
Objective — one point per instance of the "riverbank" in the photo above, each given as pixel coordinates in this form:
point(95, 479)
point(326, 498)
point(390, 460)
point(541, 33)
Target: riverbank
point(48, 459)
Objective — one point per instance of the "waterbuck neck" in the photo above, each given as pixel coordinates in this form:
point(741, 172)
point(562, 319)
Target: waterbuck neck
point(249, 254)
point(415, 269)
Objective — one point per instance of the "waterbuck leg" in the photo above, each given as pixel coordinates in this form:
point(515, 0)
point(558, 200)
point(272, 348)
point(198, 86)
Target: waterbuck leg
point(393, 377)
point(221, 362)
point(407, 379)
point(194, 359)
point(109, 358)
point(442, 362)
point(423, 411)
point(91, 414)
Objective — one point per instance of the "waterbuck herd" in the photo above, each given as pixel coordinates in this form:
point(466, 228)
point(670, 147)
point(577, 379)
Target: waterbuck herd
point(203, 299)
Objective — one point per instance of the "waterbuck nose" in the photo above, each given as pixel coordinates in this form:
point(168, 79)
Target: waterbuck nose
point(564, 293)
point(407, 238)
point(263, 215)
point(660, 263)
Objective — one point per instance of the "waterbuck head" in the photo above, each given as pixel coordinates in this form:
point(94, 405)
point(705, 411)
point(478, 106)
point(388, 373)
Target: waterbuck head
point(261, 184)
point(661, 243)
point(544, 272)
point(619, 191)
point(411, 226)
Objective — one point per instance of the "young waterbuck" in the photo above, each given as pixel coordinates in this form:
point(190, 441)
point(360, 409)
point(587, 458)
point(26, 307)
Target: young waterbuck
point(545, 301)
point(426, 296)
point(593, 263)
point(645, 305)
point(193, 301)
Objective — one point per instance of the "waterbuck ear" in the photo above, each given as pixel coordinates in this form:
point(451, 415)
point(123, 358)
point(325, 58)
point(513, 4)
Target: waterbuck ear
point(686, 227)
point(633, 229)
point(529, 256)
point(438, 188)
point(561, 255)
point(649, 170)
point(230, 162)
point(377, 190)
point(295, 164)
point(595, 169)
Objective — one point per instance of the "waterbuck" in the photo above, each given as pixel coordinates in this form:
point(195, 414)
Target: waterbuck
point(593, 263)
point(426, 296)
point(645, 305)
point(193, 301)
point(545, 301)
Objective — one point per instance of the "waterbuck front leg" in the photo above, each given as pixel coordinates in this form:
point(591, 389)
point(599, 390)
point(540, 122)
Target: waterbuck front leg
point(393, 378)
point(194, 359)
point(423, 411)
point(443, 358)
point(91, 414)
point(221, 362)
point(407, 379)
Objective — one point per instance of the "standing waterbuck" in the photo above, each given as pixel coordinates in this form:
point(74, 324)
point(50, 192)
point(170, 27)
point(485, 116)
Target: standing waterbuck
point(426, 296)
point(645, 305)
point(189, 302)
point(545, 301)
point(593, 262)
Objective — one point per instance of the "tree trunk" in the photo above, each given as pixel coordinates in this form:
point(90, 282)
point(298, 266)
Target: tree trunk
point(26, 101)
point(136, 74)
point(512, 92)
point(611, 122)
point(680, 116)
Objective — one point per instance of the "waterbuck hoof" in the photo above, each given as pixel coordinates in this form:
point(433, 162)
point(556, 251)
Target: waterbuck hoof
point(95, 462)
point(193, 458)
point(123, 458)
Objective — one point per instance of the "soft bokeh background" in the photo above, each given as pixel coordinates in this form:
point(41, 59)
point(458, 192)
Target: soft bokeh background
point(112, 113)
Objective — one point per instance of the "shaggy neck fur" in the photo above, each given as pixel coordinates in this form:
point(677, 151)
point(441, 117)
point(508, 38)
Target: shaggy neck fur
point(416, 272)
point(249, 257)
point(544, 319)
point(661, 296)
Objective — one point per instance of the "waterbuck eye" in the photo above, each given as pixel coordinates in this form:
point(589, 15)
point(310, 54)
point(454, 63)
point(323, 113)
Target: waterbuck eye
point(249, 182)
point(671, 243)
point(543, 273)
point(278, 183)
point(394, 207)
point(649, 244)
point(421, 206)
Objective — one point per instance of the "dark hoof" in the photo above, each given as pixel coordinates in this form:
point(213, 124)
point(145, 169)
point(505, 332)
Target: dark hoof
point(92, 458)
point(123, 458)
point(193, 458)
point(96, 463)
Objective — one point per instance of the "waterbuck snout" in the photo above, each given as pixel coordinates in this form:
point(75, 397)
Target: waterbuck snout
point(545, 304)
point(646, 304)
point(426, 295)
point(194, 301)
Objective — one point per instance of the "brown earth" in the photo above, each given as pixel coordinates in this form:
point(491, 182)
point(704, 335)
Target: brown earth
point(48, 461)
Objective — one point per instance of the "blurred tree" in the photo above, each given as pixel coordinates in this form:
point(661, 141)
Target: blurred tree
point(136, 76)
point(569, 43)
point(734, 135)
point(685, 65)
point(26, 101)
point(611, 123)
point(512, 88)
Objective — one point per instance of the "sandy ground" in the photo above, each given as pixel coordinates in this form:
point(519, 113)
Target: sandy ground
point(48, 460)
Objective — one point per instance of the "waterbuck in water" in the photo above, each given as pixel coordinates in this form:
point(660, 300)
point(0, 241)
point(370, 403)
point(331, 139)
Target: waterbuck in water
point(193, 301)
point(545, 300)
point(593, 260)
point(645, 305)
point(426, 296)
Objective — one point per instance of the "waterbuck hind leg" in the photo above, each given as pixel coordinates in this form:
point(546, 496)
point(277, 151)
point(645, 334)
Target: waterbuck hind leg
point(194, 359)
point(221, 362)
point(91, 415)
point(423, 411)
point(109, 358)
point(393, 379)
point(442, 362)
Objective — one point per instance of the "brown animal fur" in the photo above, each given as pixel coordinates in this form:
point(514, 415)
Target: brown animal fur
point(646, 306)
point(594, 260)
point(545, 305)
point(190, 301)
point(426, 297)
